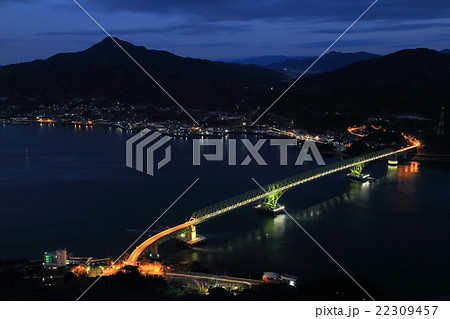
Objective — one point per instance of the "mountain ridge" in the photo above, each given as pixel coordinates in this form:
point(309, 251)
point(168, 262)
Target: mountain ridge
point(264, 60)
point(329, 62)
point(103, 70)
point(413, 80)
point(407, 81)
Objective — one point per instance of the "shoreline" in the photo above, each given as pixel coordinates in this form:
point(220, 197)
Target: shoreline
point(431, 158)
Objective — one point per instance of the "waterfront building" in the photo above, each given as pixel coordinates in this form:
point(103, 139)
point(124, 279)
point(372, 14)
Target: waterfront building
point(55, 259)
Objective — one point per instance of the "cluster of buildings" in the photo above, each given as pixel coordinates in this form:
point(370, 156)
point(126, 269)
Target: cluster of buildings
point(167, 120)
point(61, 258)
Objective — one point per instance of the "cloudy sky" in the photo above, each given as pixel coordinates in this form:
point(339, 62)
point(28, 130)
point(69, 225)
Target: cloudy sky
point(222, 29)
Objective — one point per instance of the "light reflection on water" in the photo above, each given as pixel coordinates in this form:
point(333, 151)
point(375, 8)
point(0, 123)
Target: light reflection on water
point(73, 179)
point(379, 212)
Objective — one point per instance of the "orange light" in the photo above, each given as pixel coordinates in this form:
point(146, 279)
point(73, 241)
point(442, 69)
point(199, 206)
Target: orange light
point(79, 270)
point(408, 171)
point(151, 268)
point(352, 130)
point(111, 271)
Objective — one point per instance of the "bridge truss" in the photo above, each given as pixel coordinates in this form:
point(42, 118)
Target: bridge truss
point(283, 185)
point(219, 208)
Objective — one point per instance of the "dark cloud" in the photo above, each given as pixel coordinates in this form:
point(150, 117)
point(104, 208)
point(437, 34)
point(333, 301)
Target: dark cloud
point(211, 45)
point(342, 42)
point(8, 2)
point(73, 32)
point(183, 29)
point(328, 10)
point(4, 41)
point(440, 37)
point(389, 27)
point(225, 28)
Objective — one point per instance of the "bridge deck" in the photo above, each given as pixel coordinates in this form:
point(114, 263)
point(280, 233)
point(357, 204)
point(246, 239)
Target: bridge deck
point(217, 209)
point(159, 239)
point(224, 280)
point(283, 185)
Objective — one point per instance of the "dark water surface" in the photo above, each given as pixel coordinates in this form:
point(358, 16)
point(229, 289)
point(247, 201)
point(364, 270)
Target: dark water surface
point(66, 186)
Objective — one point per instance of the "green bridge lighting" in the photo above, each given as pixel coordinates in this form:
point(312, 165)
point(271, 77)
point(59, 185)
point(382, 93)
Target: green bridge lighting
point(357, 169)
point(271, 200)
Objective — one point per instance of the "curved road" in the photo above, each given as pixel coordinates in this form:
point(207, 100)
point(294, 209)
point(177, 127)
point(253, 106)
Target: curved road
point(140, 249)
point(223, 279)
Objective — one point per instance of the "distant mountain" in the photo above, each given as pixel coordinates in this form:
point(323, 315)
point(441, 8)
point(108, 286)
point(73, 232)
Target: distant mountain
point(446, 51)
point(264, 60)
point(329, 62)
point(408, 81)
point(105, 71)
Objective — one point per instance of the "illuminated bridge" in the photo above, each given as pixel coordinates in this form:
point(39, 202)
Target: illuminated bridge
point(187, 229)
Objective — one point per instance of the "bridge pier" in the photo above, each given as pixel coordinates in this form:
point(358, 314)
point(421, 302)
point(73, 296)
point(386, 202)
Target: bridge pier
point(393, 160)
point(357, 170)
point(192, 233)
point(356, 174)
point(269, 205)
point(190, 238)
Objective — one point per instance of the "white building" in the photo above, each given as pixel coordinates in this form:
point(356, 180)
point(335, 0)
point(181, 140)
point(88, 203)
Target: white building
point(55, 259)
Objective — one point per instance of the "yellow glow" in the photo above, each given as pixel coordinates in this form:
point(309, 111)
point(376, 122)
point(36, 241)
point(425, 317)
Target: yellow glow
point(151, 268)
point(408, 171)
point(352, 130)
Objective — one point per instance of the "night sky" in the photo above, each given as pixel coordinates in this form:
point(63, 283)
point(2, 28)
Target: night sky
point(222, 29)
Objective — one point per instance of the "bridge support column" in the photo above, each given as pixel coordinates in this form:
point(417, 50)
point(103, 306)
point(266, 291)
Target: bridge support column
point(190, 238)
point(192, 233)
point(271, 201)
point(154, 252)
point(357, 170)
point(356, 174)
point(269, 205)
point(393, 160)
